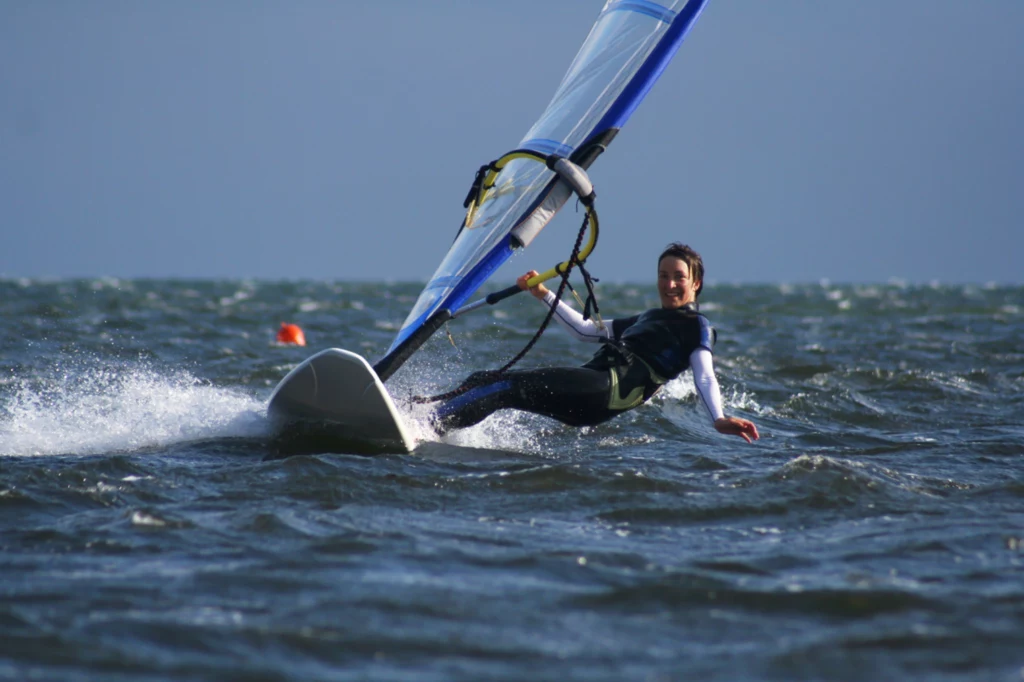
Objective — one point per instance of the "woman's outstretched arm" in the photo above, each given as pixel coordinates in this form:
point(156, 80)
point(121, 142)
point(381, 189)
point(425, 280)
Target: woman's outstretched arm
point(711, 396)
point(584, 330)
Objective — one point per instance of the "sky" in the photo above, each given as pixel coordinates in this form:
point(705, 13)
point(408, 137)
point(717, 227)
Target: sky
point(789, 141)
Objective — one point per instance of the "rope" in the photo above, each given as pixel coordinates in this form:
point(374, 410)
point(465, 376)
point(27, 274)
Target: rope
point(489, 376)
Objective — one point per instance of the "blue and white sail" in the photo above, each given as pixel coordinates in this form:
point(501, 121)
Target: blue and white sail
point(626, 51)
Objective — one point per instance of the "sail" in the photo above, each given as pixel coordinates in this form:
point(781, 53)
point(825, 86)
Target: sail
point(626, 51)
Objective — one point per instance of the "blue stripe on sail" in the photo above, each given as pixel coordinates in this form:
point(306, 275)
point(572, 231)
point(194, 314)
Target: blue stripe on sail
point(545, 146)
point(480, 274)
point(407, 331)
point(651, 9)
point(644, 79)
point(463, 290)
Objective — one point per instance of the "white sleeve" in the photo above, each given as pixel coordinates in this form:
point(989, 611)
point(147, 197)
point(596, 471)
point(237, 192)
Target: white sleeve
point(584, 330)
point(706, 383)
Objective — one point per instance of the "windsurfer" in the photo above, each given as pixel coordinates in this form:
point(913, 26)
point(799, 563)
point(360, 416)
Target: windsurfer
point(639, 354)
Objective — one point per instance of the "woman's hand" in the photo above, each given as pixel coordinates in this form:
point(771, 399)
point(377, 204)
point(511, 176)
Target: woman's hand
point(734, 426)
point(539, 291)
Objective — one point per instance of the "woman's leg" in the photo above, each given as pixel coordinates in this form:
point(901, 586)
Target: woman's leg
point(577, 396)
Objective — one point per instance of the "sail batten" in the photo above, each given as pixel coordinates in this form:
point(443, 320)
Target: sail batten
point(547, 146)
point(651, 9)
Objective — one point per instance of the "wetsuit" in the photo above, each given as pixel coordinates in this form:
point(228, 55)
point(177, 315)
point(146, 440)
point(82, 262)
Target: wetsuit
point(639, 354)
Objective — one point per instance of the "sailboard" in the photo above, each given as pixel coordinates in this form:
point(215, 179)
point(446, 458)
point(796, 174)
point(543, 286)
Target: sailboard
point(512, 199)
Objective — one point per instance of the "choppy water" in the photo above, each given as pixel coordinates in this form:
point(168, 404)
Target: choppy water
point(875, 532)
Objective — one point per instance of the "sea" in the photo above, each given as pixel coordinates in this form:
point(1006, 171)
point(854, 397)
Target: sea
point(155, 526)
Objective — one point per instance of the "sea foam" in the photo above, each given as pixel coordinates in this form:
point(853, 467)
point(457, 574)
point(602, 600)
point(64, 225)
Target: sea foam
point(91, 407)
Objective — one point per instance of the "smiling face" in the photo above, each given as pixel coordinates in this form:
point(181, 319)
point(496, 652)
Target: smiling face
point(675, 288)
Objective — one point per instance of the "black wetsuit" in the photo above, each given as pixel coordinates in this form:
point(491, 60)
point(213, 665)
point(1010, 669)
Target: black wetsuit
point(644, 352)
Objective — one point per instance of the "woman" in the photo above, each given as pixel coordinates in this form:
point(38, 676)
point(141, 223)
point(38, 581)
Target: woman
point(639, 354)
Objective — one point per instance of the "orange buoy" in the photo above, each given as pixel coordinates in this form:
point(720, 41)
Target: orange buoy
point(291, 333)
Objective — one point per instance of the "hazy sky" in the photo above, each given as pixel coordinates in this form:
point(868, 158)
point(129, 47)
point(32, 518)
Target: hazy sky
point(788, 141)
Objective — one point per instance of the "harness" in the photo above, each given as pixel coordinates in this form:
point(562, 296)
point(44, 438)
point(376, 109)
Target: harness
point(650, 352)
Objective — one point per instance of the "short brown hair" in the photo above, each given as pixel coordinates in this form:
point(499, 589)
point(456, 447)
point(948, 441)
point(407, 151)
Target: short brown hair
point(690, 257)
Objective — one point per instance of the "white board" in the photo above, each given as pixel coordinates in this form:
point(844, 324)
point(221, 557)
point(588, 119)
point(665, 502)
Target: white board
point(336, 395)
